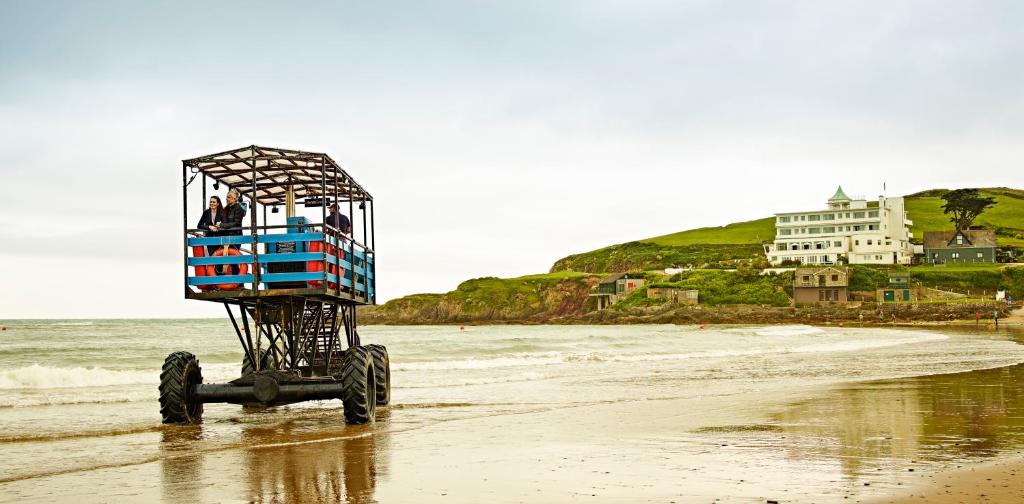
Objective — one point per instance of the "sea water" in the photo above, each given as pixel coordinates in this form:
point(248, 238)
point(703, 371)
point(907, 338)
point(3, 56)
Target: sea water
point(81, 395)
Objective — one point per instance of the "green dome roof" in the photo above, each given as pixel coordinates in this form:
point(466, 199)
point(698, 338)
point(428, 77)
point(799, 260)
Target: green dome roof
point(839, 195)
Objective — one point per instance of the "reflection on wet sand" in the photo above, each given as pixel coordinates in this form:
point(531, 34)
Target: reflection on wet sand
point(927, 419)
point(282, 463)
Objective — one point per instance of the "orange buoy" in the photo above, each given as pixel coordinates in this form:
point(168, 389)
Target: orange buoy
point(243, 269)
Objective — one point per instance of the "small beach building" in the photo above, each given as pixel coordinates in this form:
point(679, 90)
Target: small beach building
point(966, 245)
point(898, 290)
point(612, 288)
point(822, 284)
point(674, 294)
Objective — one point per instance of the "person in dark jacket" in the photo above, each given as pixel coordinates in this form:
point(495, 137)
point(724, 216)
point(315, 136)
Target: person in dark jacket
point(212, 216)
point(339, 221)
point(233, 215)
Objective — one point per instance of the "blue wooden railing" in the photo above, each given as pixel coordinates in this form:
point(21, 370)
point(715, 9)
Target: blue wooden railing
point(356, 262)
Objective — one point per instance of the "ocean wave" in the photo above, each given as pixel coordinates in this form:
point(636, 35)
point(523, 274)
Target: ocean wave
point(556, 358)
point(791, 330)
point(479, 363)
point(50, 377)
point(867, 344)
point(47, 377)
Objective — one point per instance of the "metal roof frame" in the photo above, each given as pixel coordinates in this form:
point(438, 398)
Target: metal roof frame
point(264, 174)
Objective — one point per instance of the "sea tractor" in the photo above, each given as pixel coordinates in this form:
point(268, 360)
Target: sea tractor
point(290, 286)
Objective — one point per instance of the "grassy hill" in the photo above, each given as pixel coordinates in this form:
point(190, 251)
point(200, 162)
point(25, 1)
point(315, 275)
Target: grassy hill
point(741, 240)
point(744, 233)
point(1006, 217)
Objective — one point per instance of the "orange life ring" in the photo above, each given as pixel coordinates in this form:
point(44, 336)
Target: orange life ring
point(318, 266)
point(200, 251)
point(243, 269)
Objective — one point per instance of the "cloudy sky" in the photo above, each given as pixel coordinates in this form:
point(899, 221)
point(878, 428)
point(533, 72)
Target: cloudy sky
point(496, 137)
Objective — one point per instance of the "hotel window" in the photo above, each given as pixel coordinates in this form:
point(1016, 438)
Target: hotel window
point(807, 246)
point(981, 255)
point(858, 228)
point(838, 244)
point(828, 216)
point(814, 230)
point(873, 213)
point(856, 242)
point(869, 242)
point(785, 231)
point(858, 215)
point(818, 246)
point(959, 239)
point(813, 217)
point(783, 219)
point(956, 255)
point(794, 246)
point(872, 227)
point(835, 278)
point(806, 278)
point(847, 215)
point(828, 229)
point(878, 257)
point(887, 242)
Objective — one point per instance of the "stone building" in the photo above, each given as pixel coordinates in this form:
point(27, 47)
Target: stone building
point(822, 284)
point(674, 294)
point(613, 288)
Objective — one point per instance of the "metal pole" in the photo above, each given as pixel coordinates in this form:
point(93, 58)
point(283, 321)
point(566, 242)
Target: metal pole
point(184, 222)
point(252, 230)
point(323, 211)
point(373, 245)
point(339, 245)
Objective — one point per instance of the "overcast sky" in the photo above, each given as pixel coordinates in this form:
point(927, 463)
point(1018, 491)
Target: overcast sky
point(496, 137)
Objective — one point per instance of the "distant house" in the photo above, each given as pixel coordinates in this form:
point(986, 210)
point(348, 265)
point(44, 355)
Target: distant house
point(898, 289)
point(823, 284)
point(674, 294)
point(612, 288)
point(966, 245)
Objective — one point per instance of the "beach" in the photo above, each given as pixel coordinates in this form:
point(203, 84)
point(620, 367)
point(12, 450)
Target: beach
point(532, 414)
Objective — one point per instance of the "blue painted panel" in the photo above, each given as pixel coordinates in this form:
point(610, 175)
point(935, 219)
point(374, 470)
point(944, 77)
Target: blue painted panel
point(215, 260)
point(290, 237)
point(247, 239)
point(264, 258)
point(222, 279)
point(221, 240)
point(292, 257)
point(291, 277)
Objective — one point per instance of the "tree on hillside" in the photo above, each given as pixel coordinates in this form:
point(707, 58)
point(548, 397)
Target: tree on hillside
point(965, 205)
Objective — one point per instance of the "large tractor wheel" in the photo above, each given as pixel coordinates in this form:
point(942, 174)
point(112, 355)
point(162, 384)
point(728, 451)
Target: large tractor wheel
point(358, 386)
point(381, 373)
point(178, 378)
point(247, 366)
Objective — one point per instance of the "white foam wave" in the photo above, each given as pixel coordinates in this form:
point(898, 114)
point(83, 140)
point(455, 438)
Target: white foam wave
point(849, 346)
point(479, 363)
point(49, 377)
point(555, 358)
point(73, 323)
point(793, 330)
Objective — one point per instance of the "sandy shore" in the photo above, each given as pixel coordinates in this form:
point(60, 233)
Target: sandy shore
point(1001, 481)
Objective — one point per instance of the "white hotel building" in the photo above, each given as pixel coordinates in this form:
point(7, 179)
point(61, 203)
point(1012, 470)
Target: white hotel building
point(864, 232)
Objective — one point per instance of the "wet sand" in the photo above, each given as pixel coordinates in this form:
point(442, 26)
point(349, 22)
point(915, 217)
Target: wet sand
point(995, 482)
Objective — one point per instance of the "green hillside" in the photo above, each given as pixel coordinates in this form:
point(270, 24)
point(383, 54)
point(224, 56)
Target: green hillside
point(719, 245)
point(1006, 217)
point(749, 232)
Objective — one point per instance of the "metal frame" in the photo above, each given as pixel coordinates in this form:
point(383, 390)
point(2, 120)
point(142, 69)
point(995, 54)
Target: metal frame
point(299, 328)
